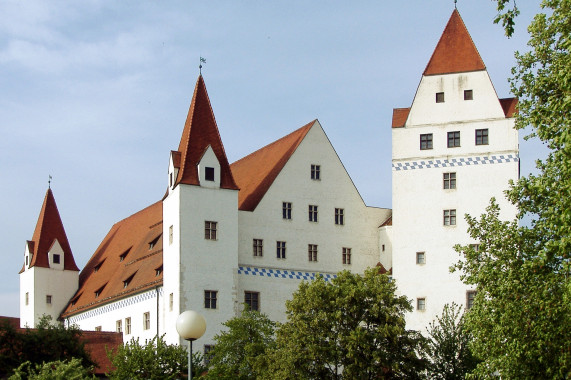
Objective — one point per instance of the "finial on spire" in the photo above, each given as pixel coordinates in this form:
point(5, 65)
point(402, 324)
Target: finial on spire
point(202, 60)
point(455, 1)
point(50, 182)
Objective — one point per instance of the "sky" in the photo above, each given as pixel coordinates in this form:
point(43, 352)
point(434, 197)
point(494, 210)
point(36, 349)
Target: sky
point(95, 94)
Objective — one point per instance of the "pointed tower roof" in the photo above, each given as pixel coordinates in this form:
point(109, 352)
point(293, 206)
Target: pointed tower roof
point(455, 52)
point(49, 229)
point(200, 131)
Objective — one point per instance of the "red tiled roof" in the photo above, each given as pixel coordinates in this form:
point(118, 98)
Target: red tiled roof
point(49, 228)
point(199, 132)
point(400, 115)
point(256, 172)
point(125, 254)
point(388, 222)
point(455, 52)
point(509, 105)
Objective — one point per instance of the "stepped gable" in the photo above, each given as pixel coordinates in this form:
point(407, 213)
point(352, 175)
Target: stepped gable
point(200, 131)
point(128, 261)
point(49, 228)
point(256, 172)
point(455, 52)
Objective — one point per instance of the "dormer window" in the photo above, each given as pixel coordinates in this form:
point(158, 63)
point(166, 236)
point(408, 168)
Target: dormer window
point(154, 242)
point(128, 281)
point(56, 258)
point(124, 254)
point(439, 97)
point(158, 271)
point(209, 173)
point(97, 267)
point(99, 291)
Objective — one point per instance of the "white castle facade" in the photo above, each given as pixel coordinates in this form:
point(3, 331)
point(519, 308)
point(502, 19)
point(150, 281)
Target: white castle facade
point(249, 232)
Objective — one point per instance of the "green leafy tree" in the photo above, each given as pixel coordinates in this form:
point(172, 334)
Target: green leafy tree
point(153, 360)
point(522, 313)
point(46, 343)
point(238, 349)
point(72, 369)
point(351, 327)
point(449, 345)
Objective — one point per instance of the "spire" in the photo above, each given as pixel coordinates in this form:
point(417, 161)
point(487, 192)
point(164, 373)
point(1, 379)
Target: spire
point(49, 229)
point(199, 132)
point(455, 52)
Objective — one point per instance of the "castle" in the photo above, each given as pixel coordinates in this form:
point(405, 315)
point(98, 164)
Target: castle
point(248, 232)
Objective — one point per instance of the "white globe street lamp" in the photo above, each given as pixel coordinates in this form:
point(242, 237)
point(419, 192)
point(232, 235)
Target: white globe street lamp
point(190, 326)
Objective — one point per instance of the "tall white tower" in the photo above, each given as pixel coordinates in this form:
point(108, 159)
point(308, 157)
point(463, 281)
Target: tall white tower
point(200, 223)
point(49, 277)
point(453, 150)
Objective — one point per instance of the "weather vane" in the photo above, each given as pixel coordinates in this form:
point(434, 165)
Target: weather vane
point(50, 182)
point(202, 60)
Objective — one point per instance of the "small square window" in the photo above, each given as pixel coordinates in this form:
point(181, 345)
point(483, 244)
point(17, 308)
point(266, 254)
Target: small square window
point(286, 210)
point(312, 213)
point(439, 97)
point(258, 247)
point(449, 217)
point(421, 304)
point(339, 216)
point(281, 249)
point(210, 297)
point(482, 136)
point(426, 141)
point(49, 299)
point(146, 320)
point(449, 180)
point(315, 172)
point(56, 258)
point(468, 95)
point(470, 297)
point(252, 299)
point(420, 258)
point(209, 173)
point(346, 256)
point(312, 252)
point(453, 139)
point(210, 230)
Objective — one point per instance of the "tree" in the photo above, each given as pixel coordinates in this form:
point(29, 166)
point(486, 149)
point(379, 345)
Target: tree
point(154, 360)
point(238, 349)
point(351, 327)
point(448, 347)
point(71, 369)
point(522, 312)
point(46, 343)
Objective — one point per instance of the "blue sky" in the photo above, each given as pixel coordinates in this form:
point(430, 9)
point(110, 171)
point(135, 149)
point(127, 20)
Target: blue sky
point(95, 94)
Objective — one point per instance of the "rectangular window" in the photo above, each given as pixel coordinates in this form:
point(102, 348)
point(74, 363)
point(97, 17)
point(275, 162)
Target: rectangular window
point(315, 172)
point(252, 299)
point(171, 301)
point(346, 256)
point(339, 216)
point(27, 298)
point(439, 97)
point(128, 325)
point(281, 249)
point(421, 304)
point(426, 141)
point(171, 234)
point(49, 299)
point(470, 296)
point(420, 258)
point(258, 247)
point(482, 136)
point(146, 320)
point(56, 258)
point(453, 139)
point(312, 213)
point(449, 180)
point(208, 353)
point(210, 297)
point(286, 210)
point(449, 217)
point(97, 328)
point(475, 247)
point(210, 230)
point(209, 173)
point(312, 252)
point(119, 326)
point(468, 95)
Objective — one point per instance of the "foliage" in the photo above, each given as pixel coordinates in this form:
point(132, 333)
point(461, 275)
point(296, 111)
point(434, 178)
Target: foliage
point(46, 343)
point(351, 327)
point(56, 370)
point(449, 350)
point(154, 360)
point(239, 348)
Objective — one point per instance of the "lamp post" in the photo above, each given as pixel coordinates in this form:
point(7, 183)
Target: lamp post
point(190, 326)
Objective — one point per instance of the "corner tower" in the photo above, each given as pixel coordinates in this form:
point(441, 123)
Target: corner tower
point(453, 150)
point(49, 277)
point(200, 221)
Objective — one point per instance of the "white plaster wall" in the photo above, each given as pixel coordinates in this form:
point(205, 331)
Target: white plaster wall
point(386, 246)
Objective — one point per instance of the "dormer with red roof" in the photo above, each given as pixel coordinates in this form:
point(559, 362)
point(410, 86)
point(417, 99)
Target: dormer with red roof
point(49, 276)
